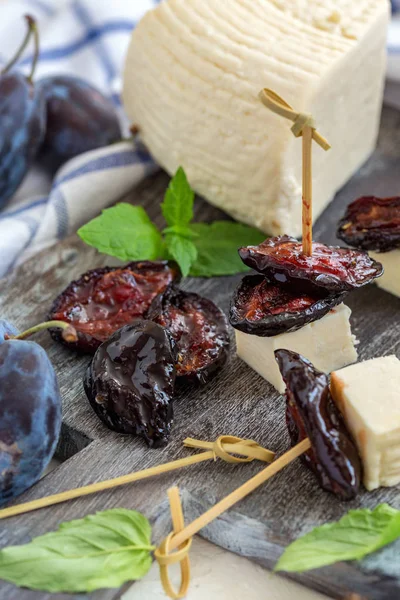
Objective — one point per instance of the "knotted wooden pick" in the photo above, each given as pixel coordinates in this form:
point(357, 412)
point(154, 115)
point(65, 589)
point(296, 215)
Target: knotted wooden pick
point(229, 448)
point(304, 126)
point(175, 547)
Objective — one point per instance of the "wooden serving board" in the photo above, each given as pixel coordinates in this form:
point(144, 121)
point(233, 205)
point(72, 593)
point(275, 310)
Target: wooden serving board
point(237, 402)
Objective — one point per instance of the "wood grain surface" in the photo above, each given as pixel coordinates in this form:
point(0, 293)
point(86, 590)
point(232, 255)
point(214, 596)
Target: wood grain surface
point(237, 402)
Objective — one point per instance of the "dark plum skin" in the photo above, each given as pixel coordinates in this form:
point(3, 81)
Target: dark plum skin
point(131, 379)
point(22, 126)
point(372, 223)
point(7, 329)
point(30, 416)
point(266, 309)
point(103, 300)
point(330, 269)
point(200, 330)
point(311, 412)
point(79, 119)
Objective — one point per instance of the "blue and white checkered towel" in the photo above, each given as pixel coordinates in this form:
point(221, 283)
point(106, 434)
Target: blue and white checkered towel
point(87, 38)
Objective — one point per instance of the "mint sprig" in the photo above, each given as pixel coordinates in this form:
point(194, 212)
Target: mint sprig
point(200, 249)
point(356, 535)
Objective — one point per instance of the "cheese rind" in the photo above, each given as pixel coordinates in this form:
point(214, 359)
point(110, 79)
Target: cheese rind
point(193, 72)
point(368, 395)
point(390, 280)
point(328, 343)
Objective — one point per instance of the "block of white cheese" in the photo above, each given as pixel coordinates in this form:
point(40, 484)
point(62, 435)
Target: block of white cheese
point(328, 343)
point(390, 280)
point(368, 395)
point(193, 73)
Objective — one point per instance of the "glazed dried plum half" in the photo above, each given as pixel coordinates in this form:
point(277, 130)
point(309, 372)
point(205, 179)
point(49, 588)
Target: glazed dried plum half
point(311, 412)
point(130, 381)
point(199, 328)
point(372, 223)
point(266, 309)
point(104, 300)
point(330, 269)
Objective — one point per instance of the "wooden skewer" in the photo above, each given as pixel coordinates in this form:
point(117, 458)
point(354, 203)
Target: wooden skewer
point(303, 126)
point(307, 219)
point(175, 547)
point(223, 448)
point(241, 492)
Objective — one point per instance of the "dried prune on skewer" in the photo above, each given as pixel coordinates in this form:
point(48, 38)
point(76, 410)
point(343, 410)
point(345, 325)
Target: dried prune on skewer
point(372, 223)
point(103, 300)
point(199, 328)
point(266, 309)
point(312, 413)
point(130, 381)
point(330, 269)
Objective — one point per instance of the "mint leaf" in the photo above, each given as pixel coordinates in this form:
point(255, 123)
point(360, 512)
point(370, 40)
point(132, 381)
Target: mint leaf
point(102, 550)
point(357, 534)
point(124, 231)
point(217, 247)
point(177, 207)
point(182, 250)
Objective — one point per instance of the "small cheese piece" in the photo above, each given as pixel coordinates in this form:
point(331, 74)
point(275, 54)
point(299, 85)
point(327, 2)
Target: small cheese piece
point(390, 280)
point(368, 395)
point(193, 72)
point(327, 343)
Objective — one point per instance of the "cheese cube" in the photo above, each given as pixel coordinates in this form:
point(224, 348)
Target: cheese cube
point(193, 73)
point(390, 280)
point(327, 343)
point(368, 395)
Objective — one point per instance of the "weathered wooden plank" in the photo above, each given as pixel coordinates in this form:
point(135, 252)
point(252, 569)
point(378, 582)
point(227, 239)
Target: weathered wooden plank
point(237, 402)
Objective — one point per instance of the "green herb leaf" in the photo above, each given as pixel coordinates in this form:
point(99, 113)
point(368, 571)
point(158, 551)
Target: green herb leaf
point(217, 247)
point(357, 534)
point(177, 207)
point(124, 231)
point(102, 550)
point(182, 250)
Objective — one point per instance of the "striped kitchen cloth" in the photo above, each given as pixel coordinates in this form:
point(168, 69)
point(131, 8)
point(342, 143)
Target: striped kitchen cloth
point(87, 38)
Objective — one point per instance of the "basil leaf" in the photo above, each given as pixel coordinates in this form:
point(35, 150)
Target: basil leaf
point(177, 207)
point(217, 247)
point(124, 231)
point(182, 250)
point(102, 550)
point(357, 534)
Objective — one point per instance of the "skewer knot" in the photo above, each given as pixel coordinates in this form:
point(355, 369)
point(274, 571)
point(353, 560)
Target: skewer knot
point(165, 557)
point(228, 447)
point(300, 121)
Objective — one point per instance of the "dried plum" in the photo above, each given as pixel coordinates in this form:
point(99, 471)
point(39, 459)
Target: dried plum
point(330, 269)
point(312, 413)
point(199, 328)
point(79, 118)
point(103, 300)
point(372, 223)
point(130, 381)
point(265, 309)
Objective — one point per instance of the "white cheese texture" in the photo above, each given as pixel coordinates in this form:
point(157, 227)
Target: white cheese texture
point(390, 280)
point(368, 395)
point(193, 72)
point(327, 343)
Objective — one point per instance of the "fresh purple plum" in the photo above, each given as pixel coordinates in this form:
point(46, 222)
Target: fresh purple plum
point(22, 125)
point(79, 119)
point(30, 415)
